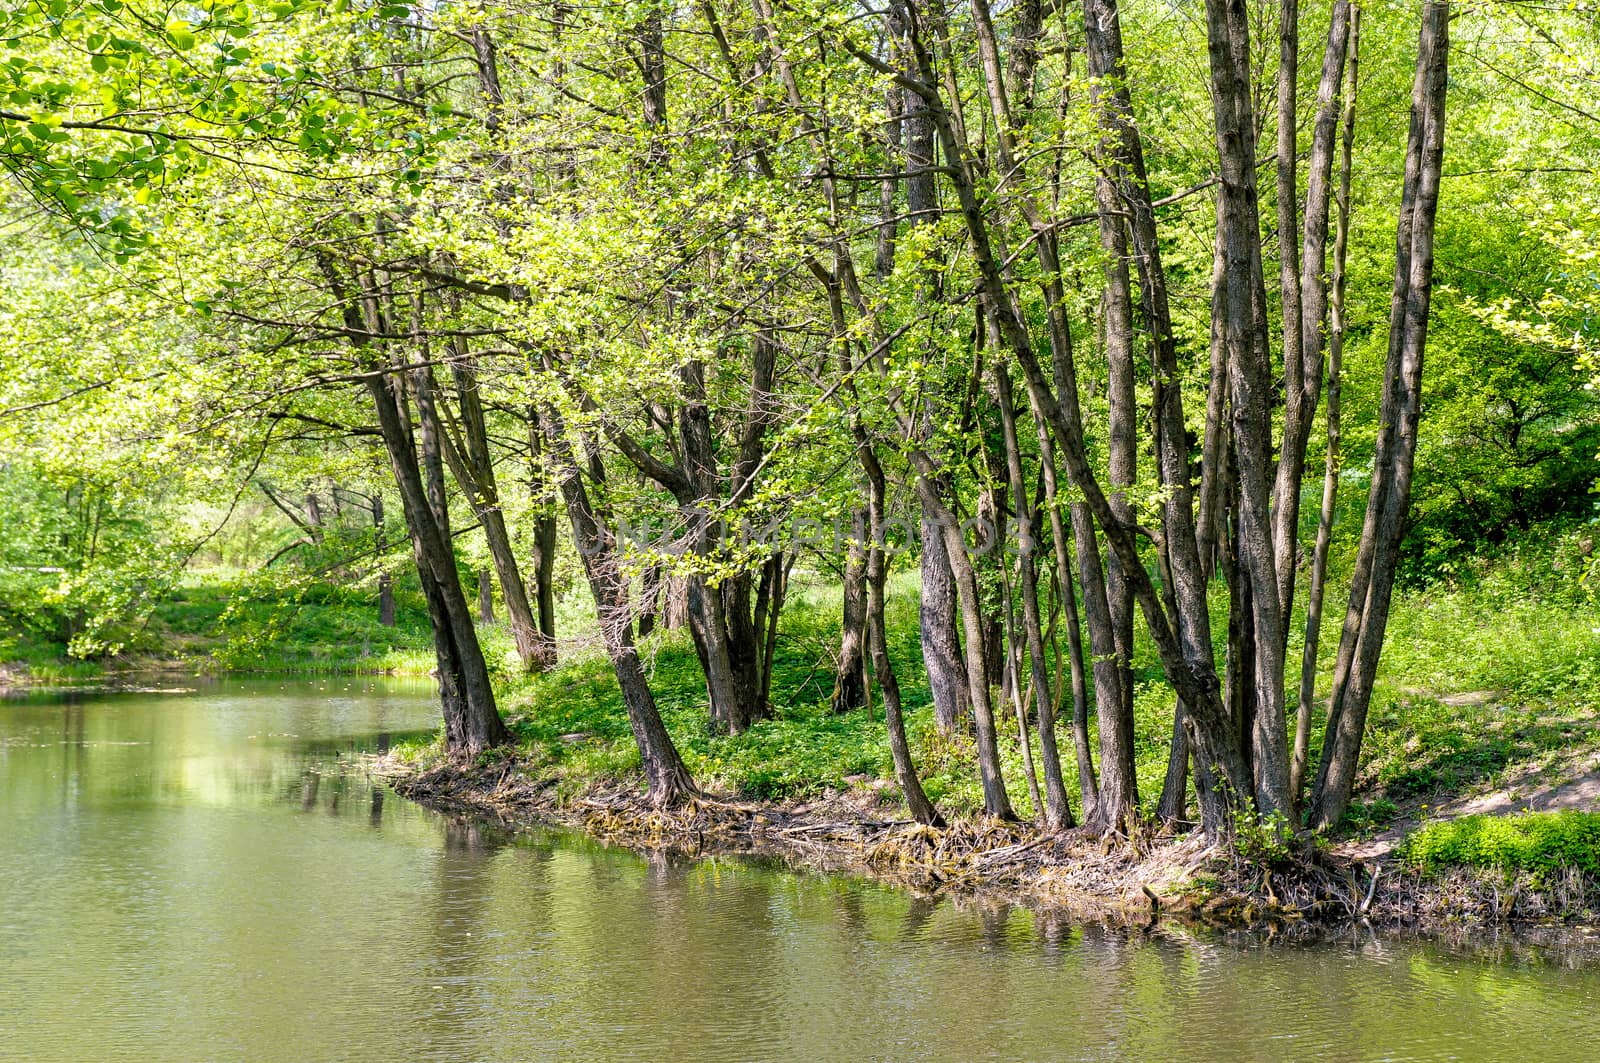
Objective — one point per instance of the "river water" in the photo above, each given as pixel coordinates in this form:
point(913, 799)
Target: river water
point(192, 876)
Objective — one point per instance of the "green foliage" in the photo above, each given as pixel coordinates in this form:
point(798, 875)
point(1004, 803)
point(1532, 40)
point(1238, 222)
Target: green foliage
point(1512, 431)
point(1523, 622)
point(1497, 666)
point(1264, 841)
point(1365, 817)
point(82, 560)
point(260, 626)
point(1541, 843)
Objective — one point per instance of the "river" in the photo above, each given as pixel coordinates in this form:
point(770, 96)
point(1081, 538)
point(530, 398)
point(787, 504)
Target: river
point(188, 876)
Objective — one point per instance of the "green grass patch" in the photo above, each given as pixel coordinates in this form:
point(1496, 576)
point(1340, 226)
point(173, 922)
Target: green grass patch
point(1534, 842)
point(249, 626)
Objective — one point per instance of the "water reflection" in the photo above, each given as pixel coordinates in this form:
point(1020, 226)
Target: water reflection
point(199, 877)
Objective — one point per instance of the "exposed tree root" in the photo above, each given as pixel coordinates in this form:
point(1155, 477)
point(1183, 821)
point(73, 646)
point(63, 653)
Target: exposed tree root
point(1124, 880)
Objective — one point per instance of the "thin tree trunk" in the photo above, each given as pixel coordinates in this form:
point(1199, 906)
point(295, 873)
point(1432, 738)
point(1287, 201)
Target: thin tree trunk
point(905, 771)
point(667, 779)
point(849, 677)
point(1088, 787)
point(1251, 388)
point(1170, 810)
point(769, 607)
point(485, 597)
point(940, 632)
point(385, 581)
point(464, 444)
point(1013, 653)
point(1056, 810)
point(1311, 302)
point(995, 800)
point(472, 723)
point(1185, 649)
point(1361, 641)
point(1286, 497)
point(940, 636)
point(1331, 461)
point(544, 588)
point(545, 542)
point(1116, 794)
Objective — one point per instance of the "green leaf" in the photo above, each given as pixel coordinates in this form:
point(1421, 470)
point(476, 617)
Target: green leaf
point(181, 34)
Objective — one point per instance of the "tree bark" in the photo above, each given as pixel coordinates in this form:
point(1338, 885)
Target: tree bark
point(1056, 809)
point(940, 634)
point(472, 722)
point(1331, 461)
point(1250, 385)
point(922, 810)
point(464, 443)
point(1185, 650)
point(1311, 301)
point(485, 597)
point(1088, 786)
point(941, 639)
point(995, 799)
point(381, 546)
point(1377, 558)
point(849, 678)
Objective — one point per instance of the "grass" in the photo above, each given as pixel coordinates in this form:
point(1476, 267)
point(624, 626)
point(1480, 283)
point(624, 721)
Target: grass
point(1493, 668)
point(1538, 843)
point(572, 720)
point(25, 653)
point(244, 626)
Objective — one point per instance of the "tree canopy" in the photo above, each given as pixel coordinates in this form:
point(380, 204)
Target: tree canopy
point(1166, 323)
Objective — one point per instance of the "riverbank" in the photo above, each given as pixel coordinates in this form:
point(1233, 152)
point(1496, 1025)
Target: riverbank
point(1301, 888)
point(220, 625)
point(1485, 706)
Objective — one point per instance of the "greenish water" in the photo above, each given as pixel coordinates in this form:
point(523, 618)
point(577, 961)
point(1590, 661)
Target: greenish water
point(189, 876)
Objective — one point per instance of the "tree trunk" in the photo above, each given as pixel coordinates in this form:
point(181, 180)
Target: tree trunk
point(849, 678)
point(1088, 787)
point(485, 597)
point(381, 546)
point(543, 559)
point(1250, 384)
point(995, 800)
point(1185, 649)
point(1291, 458)
point(1378, 555)
point(905, 771)
point(1303, 331)
point(1331, 461)
point(472, 723)
point(464, 444)
point(1170, 809)
point(667, 779)
point(940, 635)
point(544, 589)
point(1057, 811)
point(941, 640)
point(1117, 796)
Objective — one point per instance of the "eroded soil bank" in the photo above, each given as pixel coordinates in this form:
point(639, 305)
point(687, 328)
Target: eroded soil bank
point(1308, 891)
